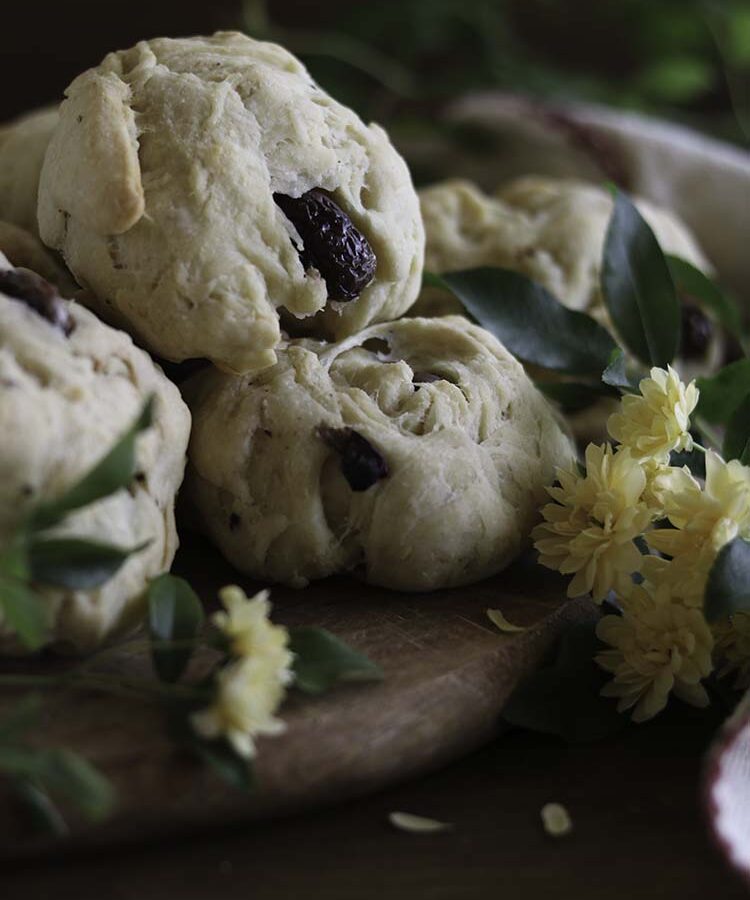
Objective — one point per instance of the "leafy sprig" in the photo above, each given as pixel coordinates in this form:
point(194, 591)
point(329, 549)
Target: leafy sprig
point(321, 661)
point(41, 779)
point(32, 557)
point(177, 632)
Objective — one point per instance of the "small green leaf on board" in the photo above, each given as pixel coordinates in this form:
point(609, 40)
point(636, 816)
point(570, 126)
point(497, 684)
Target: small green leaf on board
point(175, 619)
point(322, 661)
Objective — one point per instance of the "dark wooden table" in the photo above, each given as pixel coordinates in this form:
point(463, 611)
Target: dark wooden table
point(638, 833)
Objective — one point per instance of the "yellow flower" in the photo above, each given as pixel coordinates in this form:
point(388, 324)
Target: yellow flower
point(589, 530)
point(684, 577)
point(250, 689)
point(733, 648)
point(659, 646)
point(704, 520)
point(656, 473)
point(656, 422)
point(246, 625)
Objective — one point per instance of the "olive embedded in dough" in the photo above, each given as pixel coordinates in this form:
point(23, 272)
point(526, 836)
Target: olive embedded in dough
point(332, 244)
point(335, 459)
point(39, 295)
point(186, 174)
point(361, 464)
point(69, 388)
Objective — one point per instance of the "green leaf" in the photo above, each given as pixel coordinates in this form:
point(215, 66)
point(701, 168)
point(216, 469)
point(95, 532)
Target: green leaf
point(113, 472)
point(563, 698)
point(677, 79)
point(221, 757)
point(175, 615)
point(737, 437)
point(72, 778)
point(76, 564)
point(18, 760)
point(529, 321)
point(25, 612)
point(692, 284)
point(728, 585)
point(14, 559)
point(616, 376)
point(20, 717)
point(573, 396)
point(722, 393)
point(218, 754)
point(64, 774)
point(637, 287)
point(321, 661)
point(45, 817)
point(737, 36)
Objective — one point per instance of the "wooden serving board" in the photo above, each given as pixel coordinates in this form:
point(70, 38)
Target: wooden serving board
point(448, 672)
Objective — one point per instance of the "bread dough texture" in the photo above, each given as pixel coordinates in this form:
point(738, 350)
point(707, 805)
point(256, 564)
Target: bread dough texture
point(23, 144)
point(467, 441)
point(158, 189)
point(551, 230)
point(21, 248)
point(64, 401)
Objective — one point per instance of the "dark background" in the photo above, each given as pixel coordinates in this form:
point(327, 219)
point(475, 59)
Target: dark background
point(634, 800)
point(400, 61)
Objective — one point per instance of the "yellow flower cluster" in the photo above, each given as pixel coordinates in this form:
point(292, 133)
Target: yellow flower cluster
point(656, 421)
point(661, 643)
point(590, 528)
point(704, 519)
point(250, 688)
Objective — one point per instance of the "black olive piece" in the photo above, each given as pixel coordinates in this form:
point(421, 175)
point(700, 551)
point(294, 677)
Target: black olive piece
point(234, 521)
point(425, 378)
point(39, 294)
point(332, 243)
point(361, 464)
point(697, 331)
